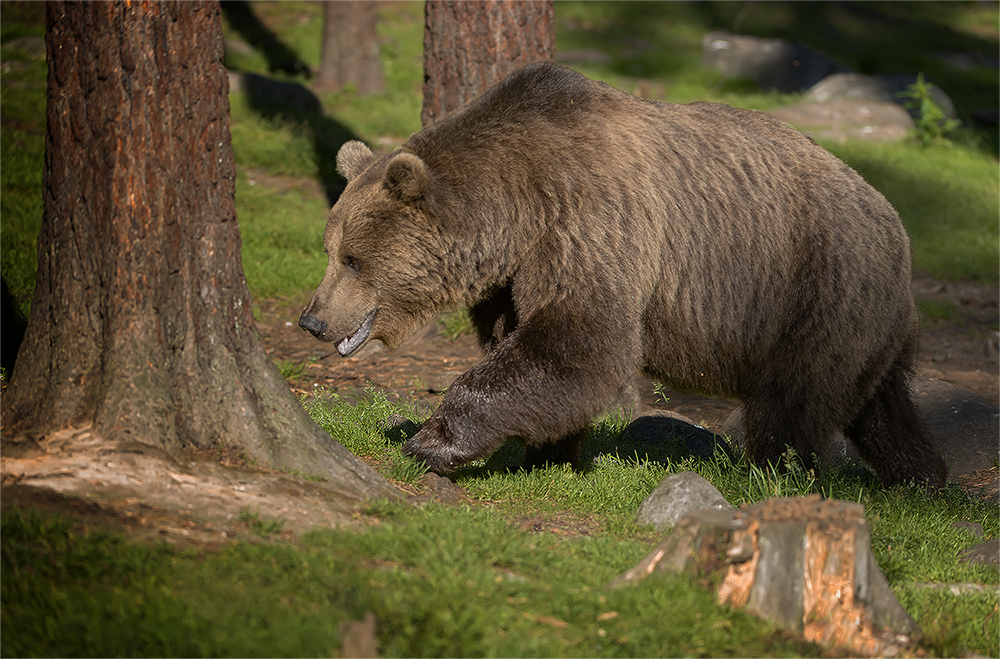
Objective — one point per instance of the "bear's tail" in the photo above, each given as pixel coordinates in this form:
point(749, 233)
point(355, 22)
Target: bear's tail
point(891, 436)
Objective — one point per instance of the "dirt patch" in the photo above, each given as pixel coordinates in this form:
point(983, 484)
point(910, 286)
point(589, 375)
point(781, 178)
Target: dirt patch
point(963, 349)
point(560, 524)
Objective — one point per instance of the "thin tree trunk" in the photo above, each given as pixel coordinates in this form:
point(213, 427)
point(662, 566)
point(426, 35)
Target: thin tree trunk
point(350, 47)
point(141, 323)
point(470, 45)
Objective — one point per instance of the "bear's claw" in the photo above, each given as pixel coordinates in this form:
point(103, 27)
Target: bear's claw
point(431, 445)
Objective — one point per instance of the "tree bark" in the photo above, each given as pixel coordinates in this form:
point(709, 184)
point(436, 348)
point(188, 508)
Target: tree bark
point(350, 53)
point(470, 45)
point(141, 325)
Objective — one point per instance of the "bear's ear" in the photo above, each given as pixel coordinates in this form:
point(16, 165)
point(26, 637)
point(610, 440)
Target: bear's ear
point(406, 177)
point(353, 158)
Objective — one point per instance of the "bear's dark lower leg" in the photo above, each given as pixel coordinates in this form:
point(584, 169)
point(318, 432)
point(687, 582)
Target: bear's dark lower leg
point(540, 383)
point(627, 401)
point(774, 424)
point(566, 450)
point(435, 445)
point(892, 438)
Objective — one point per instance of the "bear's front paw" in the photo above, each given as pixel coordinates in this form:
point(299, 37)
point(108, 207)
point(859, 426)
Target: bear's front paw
point(432, 446)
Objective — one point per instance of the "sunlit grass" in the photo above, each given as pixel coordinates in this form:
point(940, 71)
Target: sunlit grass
point(282, 232)
point(947, 197)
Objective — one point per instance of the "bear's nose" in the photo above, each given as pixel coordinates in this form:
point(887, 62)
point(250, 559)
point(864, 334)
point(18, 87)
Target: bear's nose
point(314, 325)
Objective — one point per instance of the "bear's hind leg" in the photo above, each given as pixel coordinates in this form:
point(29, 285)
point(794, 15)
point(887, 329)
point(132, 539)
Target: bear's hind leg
point(892, 438)
point(779, 414)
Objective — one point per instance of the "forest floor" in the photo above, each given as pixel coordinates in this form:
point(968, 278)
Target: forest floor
point(204, 503)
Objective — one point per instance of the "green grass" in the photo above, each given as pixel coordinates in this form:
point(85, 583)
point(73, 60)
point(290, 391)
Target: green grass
point(467, 581)
point(282, 232)
point(440, 581)
point(456, 323)
point(913, 537)
point(262, 527)
point(280, 144)
point(22, 147)
point(932, 311)
point(947, 198)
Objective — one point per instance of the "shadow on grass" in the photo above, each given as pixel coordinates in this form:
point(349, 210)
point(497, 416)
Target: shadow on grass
point(285, 101)
point(293, 104)
point(280, 58)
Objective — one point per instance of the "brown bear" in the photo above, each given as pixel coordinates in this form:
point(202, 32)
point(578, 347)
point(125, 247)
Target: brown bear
point(590, 232)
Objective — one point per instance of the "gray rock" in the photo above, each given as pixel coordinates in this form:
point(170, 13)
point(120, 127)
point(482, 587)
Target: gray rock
point(676, 496)
point(964, 425)
point(985, 552)
point(841, 120)
point(882, 88)
point(675, 434)
point(770, 63)
point(439, 489)
point(975, 529)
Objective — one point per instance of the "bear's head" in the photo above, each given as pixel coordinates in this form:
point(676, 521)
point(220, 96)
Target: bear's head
point(386, 274)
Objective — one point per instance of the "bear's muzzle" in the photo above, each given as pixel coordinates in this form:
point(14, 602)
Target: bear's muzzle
point(314, 325)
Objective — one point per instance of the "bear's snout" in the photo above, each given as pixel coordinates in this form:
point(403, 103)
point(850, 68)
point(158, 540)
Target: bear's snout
point(314, 325)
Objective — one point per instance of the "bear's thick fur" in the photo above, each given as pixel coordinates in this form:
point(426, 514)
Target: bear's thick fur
point(590, 232)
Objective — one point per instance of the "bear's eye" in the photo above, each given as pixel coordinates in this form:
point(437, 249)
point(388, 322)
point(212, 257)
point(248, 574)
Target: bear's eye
point(352, 263)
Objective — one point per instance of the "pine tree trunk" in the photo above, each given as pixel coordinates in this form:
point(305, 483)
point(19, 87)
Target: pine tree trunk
point(350, 47)
point(141, 325)
point(469, 46)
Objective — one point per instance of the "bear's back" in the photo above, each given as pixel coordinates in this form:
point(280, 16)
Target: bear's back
point(667, 191)
point(544, 117)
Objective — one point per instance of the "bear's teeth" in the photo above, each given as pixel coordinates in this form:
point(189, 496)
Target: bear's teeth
point(349, 344)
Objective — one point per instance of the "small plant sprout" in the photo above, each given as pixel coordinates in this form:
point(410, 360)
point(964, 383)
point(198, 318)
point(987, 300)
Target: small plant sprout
point(261, 527)
point(932, 125)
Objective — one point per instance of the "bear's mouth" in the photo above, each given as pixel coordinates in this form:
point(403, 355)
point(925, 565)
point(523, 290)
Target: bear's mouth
point(350, 343)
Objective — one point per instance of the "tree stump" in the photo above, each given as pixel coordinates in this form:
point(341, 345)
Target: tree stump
point(803, 563)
